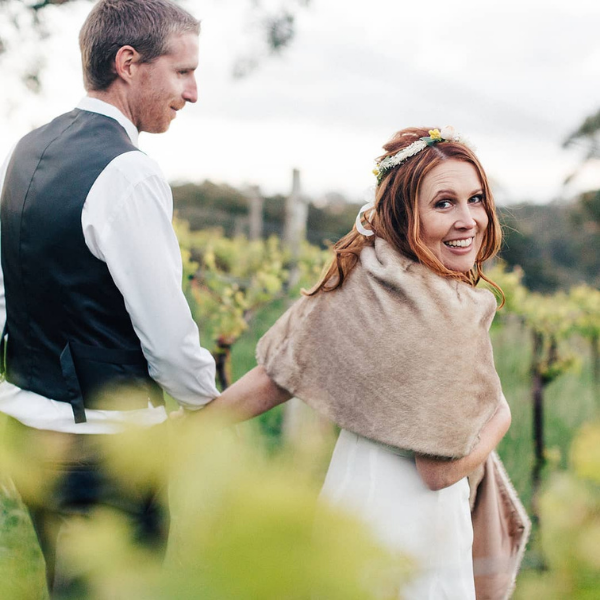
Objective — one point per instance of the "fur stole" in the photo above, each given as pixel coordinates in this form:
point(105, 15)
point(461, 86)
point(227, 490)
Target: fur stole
point(398, 354)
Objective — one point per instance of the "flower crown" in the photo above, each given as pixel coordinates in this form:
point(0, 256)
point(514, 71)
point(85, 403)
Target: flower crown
point(447, 134)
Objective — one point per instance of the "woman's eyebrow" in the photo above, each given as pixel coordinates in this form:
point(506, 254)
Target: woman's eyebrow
point(444, 193)
point(450, 192)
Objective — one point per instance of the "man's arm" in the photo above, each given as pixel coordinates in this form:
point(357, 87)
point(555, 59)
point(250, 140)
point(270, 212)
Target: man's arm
point(127, 223)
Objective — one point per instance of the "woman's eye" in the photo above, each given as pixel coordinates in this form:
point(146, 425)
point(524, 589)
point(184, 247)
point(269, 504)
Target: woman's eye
point(477, 198)
point(443, 204)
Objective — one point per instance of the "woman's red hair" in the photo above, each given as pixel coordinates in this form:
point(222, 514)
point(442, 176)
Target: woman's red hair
point(395, 217)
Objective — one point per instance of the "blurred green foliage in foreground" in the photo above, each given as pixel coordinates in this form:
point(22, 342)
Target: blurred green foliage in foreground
point(246, 525)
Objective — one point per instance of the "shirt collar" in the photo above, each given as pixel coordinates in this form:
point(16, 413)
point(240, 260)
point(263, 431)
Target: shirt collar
point(109, 110)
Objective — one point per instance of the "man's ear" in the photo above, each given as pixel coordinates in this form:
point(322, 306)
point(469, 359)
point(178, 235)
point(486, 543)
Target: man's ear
point(126, 62)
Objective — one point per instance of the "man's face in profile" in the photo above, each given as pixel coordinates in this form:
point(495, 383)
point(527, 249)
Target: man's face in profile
point(164, 85)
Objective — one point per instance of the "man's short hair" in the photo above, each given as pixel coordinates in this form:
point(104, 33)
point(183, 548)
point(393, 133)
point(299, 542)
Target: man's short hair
point(146, 25)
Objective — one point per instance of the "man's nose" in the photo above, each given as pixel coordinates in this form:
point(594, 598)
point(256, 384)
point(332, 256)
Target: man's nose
point(190, 94)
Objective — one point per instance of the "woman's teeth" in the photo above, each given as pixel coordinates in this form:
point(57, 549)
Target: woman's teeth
point(459, 243)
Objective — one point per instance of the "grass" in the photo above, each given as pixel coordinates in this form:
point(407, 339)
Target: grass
point(22, 574)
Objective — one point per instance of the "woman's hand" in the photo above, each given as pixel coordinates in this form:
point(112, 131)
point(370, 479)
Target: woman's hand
point(439, 473)
point(250, 396)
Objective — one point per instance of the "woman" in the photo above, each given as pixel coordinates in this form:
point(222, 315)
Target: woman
point(392, 345)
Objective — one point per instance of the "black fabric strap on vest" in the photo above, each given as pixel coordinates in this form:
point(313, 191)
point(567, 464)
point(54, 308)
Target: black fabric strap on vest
point(72, 382)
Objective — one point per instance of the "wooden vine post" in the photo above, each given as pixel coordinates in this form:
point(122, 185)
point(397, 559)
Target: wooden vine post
point(550, 320)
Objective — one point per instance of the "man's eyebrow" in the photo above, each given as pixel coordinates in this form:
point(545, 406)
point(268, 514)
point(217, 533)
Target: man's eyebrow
point(186, 66)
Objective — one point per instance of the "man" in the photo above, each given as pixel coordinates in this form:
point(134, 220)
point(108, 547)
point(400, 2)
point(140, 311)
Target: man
point(91, 268)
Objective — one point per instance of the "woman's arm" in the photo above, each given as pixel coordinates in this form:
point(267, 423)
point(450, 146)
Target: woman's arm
point(439, 473)
point(250, 396)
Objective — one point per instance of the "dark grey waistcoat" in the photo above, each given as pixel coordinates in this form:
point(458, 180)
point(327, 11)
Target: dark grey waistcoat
point(68, 335)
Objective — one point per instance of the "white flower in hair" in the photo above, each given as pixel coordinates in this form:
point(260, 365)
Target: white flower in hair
point(389, 162)
point(449, 133)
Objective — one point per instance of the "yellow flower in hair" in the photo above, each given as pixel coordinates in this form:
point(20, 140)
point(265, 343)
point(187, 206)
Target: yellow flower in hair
point(376, 172)
point(435, 135)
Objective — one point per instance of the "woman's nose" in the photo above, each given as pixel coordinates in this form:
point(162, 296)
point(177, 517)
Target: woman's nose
point(464, 217)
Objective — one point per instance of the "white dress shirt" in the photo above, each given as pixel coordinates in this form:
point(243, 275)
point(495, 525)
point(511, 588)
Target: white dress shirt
point(126, 222)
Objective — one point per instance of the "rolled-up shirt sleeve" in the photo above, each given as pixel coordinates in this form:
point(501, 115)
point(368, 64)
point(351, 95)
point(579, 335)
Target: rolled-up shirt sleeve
point(127, 223)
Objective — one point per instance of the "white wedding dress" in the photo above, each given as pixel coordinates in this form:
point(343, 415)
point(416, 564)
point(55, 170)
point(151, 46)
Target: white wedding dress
point(381, 485)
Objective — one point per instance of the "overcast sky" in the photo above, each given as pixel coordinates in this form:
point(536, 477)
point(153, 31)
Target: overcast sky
point(515, 76)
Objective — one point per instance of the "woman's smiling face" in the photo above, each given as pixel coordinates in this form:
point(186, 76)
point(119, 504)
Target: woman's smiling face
point(452, 215)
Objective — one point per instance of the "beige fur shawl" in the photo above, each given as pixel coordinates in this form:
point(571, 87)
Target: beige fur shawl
point(398, 354)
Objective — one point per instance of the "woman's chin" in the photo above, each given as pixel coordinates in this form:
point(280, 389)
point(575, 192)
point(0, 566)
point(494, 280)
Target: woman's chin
point(461, 264)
